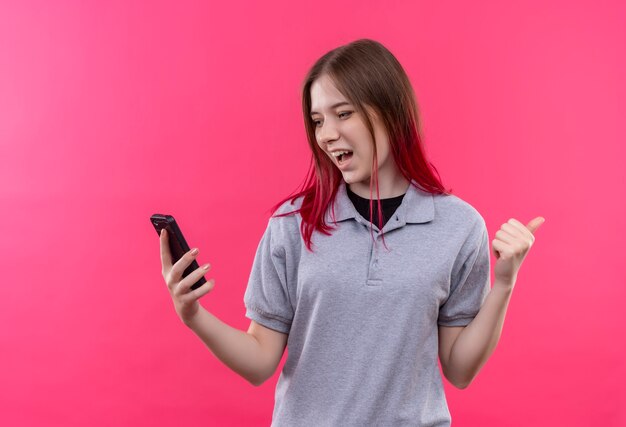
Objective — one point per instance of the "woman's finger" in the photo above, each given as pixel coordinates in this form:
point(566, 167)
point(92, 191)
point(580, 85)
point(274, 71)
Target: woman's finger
point(181, 265)
point(528, 235)
point(198, 292)
point(505, 236)
point(514, 231)
point(166, 256)
point(186, 284)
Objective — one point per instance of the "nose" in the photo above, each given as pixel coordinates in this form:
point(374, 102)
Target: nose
point(327, 133)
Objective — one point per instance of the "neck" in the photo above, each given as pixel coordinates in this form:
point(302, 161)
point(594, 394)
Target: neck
point(387, 188)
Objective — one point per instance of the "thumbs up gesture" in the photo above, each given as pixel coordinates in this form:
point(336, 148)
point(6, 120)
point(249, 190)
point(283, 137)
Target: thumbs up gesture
point(510, 246)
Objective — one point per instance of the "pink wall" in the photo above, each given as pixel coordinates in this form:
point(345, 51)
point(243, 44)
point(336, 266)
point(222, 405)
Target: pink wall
point(112, 111)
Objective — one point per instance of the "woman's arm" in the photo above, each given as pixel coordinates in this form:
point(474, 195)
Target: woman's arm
point(253, 355)
point(464, 350)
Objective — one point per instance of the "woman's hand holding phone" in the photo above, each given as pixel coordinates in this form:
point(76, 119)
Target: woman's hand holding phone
point(185, 300)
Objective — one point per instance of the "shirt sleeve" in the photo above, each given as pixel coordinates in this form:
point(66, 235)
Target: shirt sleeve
point(470, 280)
point(267, 295)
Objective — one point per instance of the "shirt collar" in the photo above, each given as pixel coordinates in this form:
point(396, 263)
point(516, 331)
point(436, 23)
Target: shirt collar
point(417, 206)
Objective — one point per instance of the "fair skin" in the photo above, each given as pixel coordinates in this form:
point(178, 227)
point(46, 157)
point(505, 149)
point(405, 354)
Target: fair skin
point(342, 127)
point(463, 350)
point(256, 353)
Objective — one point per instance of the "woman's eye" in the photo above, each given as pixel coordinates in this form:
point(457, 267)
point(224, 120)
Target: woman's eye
point(346, 113)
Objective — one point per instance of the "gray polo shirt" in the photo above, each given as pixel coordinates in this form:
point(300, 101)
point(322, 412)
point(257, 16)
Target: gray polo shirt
point(362, 319)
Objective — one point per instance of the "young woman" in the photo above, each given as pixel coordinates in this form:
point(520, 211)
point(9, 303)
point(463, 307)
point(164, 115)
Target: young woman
point(371, 273)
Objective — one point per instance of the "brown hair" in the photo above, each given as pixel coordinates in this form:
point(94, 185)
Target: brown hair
point(368, 75)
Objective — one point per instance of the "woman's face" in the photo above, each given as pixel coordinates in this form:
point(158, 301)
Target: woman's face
point(339, 128)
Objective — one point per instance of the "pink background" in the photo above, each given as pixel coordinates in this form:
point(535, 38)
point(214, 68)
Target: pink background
point(113, 111)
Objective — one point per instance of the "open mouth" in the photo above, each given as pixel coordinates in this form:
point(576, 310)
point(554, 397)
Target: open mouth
point(344, 157)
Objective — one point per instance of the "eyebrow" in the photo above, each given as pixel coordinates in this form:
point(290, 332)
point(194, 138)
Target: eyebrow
point(339, 104)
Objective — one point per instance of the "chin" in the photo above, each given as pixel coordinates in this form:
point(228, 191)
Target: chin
point(349, 178)
point(354, 180)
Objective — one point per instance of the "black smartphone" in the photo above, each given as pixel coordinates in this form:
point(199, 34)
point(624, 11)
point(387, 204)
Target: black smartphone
point(177, 242)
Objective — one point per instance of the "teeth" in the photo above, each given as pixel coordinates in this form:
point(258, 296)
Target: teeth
point(339, 153)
